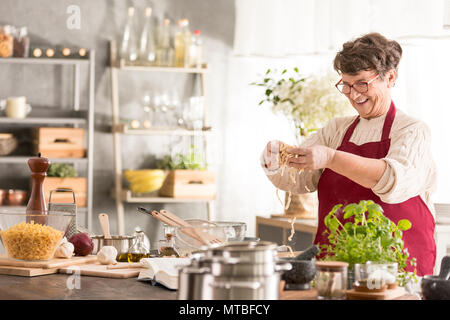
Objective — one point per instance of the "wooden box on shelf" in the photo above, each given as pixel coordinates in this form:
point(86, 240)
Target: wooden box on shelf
point(193, 184)
point(59, 142)
point(77, 184)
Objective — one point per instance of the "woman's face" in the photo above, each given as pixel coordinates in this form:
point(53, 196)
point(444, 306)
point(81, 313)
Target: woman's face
point(377, 100)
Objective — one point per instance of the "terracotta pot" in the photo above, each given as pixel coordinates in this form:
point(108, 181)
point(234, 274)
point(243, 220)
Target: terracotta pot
point(2, 196)
point(16, 197)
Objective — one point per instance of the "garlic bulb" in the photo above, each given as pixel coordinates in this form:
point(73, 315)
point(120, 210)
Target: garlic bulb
point(107, 255)
point(65, 249)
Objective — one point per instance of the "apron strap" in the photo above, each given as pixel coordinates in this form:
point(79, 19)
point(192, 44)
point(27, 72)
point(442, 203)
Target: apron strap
point(350, 130)
point(388, 122)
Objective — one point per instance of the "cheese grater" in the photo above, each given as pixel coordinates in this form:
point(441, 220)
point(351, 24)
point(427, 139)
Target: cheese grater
point(65, 207)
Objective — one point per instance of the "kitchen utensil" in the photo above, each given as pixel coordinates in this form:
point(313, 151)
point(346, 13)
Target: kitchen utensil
point(214, 274)
point(70, 208)
point(99, 270)
point(36, 204)
point(206, 238)
point(121, 243)
point(49, 264)
point(104, 224)
point(308, 254)
point(29, 236)
point(437, 287)
point(301, 274)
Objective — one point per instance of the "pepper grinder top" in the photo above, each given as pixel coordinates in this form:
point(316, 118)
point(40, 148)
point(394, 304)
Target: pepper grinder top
point(38, 166)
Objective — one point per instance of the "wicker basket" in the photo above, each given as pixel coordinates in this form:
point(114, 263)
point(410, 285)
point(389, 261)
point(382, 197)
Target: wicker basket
point(7, 144)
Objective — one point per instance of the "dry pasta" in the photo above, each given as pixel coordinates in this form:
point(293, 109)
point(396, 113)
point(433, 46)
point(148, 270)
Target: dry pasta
point(283, 158)
point(31, 241)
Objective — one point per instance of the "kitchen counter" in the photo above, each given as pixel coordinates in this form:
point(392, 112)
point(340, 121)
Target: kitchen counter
point(54, 287)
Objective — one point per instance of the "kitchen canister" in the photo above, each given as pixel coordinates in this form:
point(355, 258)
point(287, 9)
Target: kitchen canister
point(331, 280)
point(247, 270)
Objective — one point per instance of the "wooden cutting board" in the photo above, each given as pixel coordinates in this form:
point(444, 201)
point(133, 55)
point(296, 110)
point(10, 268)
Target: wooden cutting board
point(49, 264)
point(26, 272)
point(385, 295)
point(99, 270)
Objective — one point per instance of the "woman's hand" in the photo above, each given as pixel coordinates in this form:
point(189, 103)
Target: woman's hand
point(311, 158)
point(272, 154)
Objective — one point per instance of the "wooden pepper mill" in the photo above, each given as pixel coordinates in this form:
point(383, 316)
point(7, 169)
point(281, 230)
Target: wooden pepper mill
point(36, 204)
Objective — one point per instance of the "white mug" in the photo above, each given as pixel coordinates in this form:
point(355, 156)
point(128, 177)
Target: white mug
point(16, 107)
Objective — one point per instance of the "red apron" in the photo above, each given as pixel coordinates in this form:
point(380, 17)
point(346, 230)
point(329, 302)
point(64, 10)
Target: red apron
point(334, 188)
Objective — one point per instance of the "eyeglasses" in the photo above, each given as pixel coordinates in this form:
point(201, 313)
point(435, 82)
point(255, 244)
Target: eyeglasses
point(359, 86)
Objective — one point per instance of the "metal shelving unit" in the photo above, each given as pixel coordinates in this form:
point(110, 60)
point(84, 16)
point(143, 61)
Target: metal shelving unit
point(76, 118)
point(120, 194)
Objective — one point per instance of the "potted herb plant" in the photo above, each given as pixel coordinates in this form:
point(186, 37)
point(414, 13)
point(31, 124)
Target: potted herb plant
point(187, 176)
point(367, 235)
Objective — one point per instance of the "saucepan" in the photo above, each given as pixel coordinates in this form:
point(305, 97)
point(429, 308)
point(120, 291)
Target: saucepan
point(121, 243)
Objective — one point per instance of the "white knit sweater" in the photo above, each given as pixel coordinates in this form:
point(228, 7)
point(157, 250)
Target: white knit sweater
point(410, 169)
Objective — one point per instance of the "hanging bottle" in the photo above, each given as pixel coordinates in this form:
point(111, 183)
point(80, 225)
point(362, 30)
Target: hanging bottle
point(196, 51)
point(182, 44)
point(129, 49)
point(147, 43)
point(164, 50)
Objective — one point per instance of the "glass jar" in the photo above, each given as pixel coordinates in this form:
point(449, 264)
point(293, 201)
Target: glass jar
point(139, 249)
point(6, 42)
point(374, 276)
point(21, 43)
point(331, 280)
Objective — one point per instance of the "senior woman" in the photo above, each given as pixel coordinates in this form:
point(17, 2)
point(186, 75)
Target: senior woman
point(381, 155)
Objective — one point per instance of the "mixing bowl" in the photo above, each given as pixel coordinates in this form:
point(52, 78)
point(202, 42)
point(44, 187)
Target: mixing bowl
point(228, 231)
point(33, 236)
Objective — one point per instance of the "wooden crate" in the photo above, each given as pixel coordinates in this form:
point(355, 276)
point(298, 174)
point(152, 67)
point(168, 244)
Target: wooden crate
point(77, 184)
point(192, 184)
point(59, 142)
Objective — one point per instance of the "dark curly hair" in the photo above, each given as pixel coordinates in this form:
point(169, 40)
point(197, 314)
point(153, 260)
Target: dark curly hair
point(369, 52)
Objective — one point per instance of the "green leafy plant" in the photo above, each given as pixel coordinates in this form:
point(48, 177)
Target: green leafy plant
point(61, 170)
point(367, 236)
point(191, 161)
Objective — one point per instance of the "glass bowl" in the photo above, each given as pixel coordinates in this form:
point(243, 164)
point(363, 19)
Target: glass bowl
point(33, 237)
point(184, 244)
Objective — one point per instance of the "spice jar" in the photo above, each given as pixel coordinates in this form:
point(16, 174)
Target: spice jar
point(6, 42)
point(21, 43)
point(331, 281)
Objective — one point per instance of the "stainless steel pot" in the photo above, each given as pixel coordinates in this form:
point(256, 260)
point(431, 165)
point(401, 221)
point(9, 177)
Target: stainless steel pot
point(247, 251)
point(121, 243)
point(234, 271)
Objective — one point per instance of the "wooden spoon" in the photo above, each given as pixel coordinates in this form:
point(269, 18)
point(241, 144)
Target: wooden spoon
point(104, 223)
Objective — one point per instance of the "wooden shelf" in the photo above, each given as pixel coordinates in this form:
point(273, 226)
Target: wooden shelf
point(22, 209)
point(51, 61)
point(38, 120)
point(129, 67)
point(128, 197)
point(24, 159)
point(124, 129)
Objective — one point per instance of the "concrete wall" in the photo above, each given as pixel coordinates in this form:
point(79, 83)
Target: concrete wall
point(102, 21)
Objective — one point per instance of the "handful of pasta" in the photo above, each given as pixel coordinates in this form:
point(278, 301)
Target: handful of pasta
point(283, 159)
point(31, 241)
